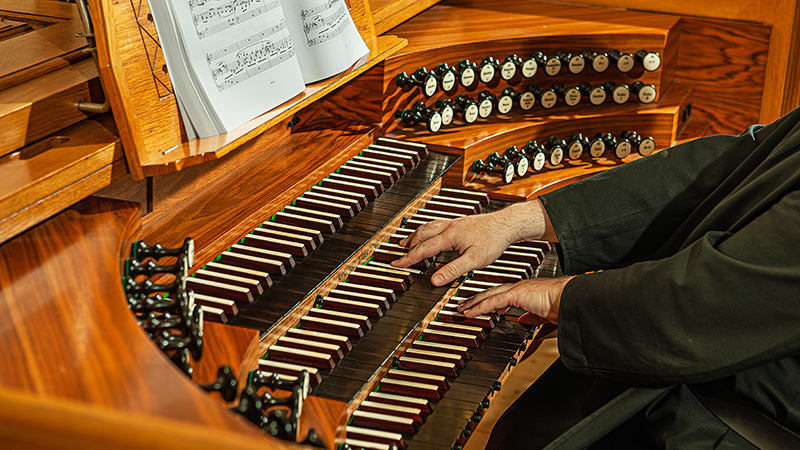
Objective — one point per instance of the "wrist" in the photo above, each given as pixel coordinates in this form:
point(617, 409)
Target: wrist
point(527, 220)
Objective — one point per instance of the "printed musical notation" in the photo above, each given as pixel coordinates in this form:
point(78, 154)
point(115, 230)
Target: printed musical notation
point(215, 16)
point(324, 21)
point(232, 64)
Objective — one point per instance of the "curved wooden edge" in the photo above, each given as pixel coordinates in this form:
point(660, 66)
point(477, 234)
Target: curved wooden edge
point(46, 423)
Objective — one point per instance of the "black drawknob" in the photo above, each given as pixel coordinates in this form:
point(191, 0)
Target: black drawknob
point(575, 63)
point(650, 61)
point(505, 172)
point(596, 94)
point(445, 108)
point(519, 160)
point(597, 146)
point(547, 97)
point(571, 96)
point(646, 93)
point(507, 99)
point(225, 384)
point(495, 159)
point(488, 69)
point(536, 155)
point(446, 76)
point(486, 101)
point(623, 61)
point(467, 107)
point(510, 66)
point(576, 145)
point(598, 61)
point(619, 92)
point(141, 251)
point(554, 149)
point(552, 66)
point(531, 65)
point(643, 145)
point(432, 118)
point(421, 77)
point(467, 72)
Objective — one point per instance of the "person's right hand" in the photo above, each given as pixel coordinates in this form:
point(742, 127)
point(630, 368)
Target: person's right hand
point(479, 240)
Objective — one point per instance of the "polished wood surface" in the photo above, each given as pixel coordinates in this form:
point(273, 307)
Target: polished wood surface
point(780, 17)
point(70, 337)
point(145, 108)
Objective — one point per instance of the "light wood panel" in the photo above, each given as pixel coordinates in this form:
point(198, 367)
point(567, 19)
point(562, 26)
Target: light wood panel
point(782, 79)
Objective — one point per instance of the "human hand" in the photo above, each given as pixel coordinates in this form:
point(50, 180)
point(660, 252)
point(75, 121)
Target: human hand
point(540, 297)
point(479, 239)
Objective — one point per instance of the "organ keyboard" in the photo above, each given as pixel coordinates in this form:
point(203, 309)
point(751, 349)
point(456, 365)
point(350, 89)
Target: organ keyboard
point(296, 216)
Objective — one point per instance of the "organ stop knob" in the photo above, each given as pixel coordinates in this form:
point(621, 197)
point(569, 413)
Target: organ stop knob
point(650, 61)
point(575, 63)
point(598, 61)
point(466, 71)
point(421, 77)
point(446, 76)
point(506, 172)
point(623, 61)
point(646, 93)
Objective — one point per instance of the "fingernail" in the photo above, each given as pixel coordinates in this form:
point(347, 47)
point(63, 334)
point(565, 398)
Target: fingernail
point(403, 242)
point(437, 280)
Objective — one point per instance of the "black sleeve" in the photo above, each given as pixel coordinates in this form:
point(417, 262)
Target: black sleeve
point(725, 303)
point(624, 214)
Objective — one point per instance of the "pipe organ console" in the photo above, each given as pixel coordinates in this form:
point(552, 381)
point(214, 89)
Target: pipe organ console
point(236, 291)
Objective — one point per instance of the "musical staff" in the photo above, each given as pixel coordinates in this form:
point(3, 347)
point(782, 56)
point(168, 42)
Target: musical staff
point(232, 64)
point(214, 16)
point(324, 21)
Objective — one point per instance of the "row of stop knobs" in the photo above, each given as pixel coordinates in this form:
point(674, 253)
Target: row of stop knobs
point(470, 110)
point(467, 73)
point(534, 156)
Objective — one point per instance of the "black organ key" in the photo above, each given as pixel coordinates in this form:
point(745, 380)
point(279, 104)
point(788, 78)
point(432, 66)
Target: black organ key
point(483, 321)
point(284, 258)
point(263, 278)
point(307, 242)
point(387, 272)
point(478, 332)
point(384, 408)
point(334, 219)
point(340, 195)
point(422, 404)
point(315, 323)
point(497, 277)
point(517, 265)
point(360, 434)
point(530, 257)
point(225, 305)
point(301, 357)
point(392, 150)
point(314, 234)
point(421, 149)
point(521, 272)
point(292, 370)
point(482, 197)
point(376, 184)
point(352, 306)
point(412, 388)
point(338, 183)
point(413, 224)
point(453, 358)
point(314, 223)
point(386, 293)
point(333, 350)
point(387, 178)
point(358, 319)
point(276, 244)
point(428, 366)
point(376, 152)
point(384, 422)
point(328, 206)
point(439, 347)
point(395, 283)
point(376, 300)
point(350, 201)
point(438, 380)
point(447, 337)
point(217, 289)
point(252, 285)
point(388, 174)
point(341, 341)
point(398, 167)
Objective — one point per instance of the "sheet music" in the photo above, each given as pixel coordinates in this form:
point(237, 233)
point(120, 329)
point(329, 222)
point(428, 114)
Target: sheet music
point(330, 42)
point(239, 58)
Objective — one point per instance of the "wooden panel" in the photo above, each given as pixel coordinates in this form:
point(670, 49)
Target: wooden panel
point(226, 345)
point(219, 202)
point(145, 108)
point(782, 79)
point(390, 13)
point(66, 330)
point(47, 177)
point(726, 63)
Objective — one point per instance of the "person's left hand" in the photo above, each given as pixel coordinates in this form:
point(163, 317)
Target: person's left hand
point(540, 297)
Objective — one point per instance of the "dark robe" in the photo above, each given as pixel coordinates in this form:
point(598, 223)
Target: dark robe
point(699, 247)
